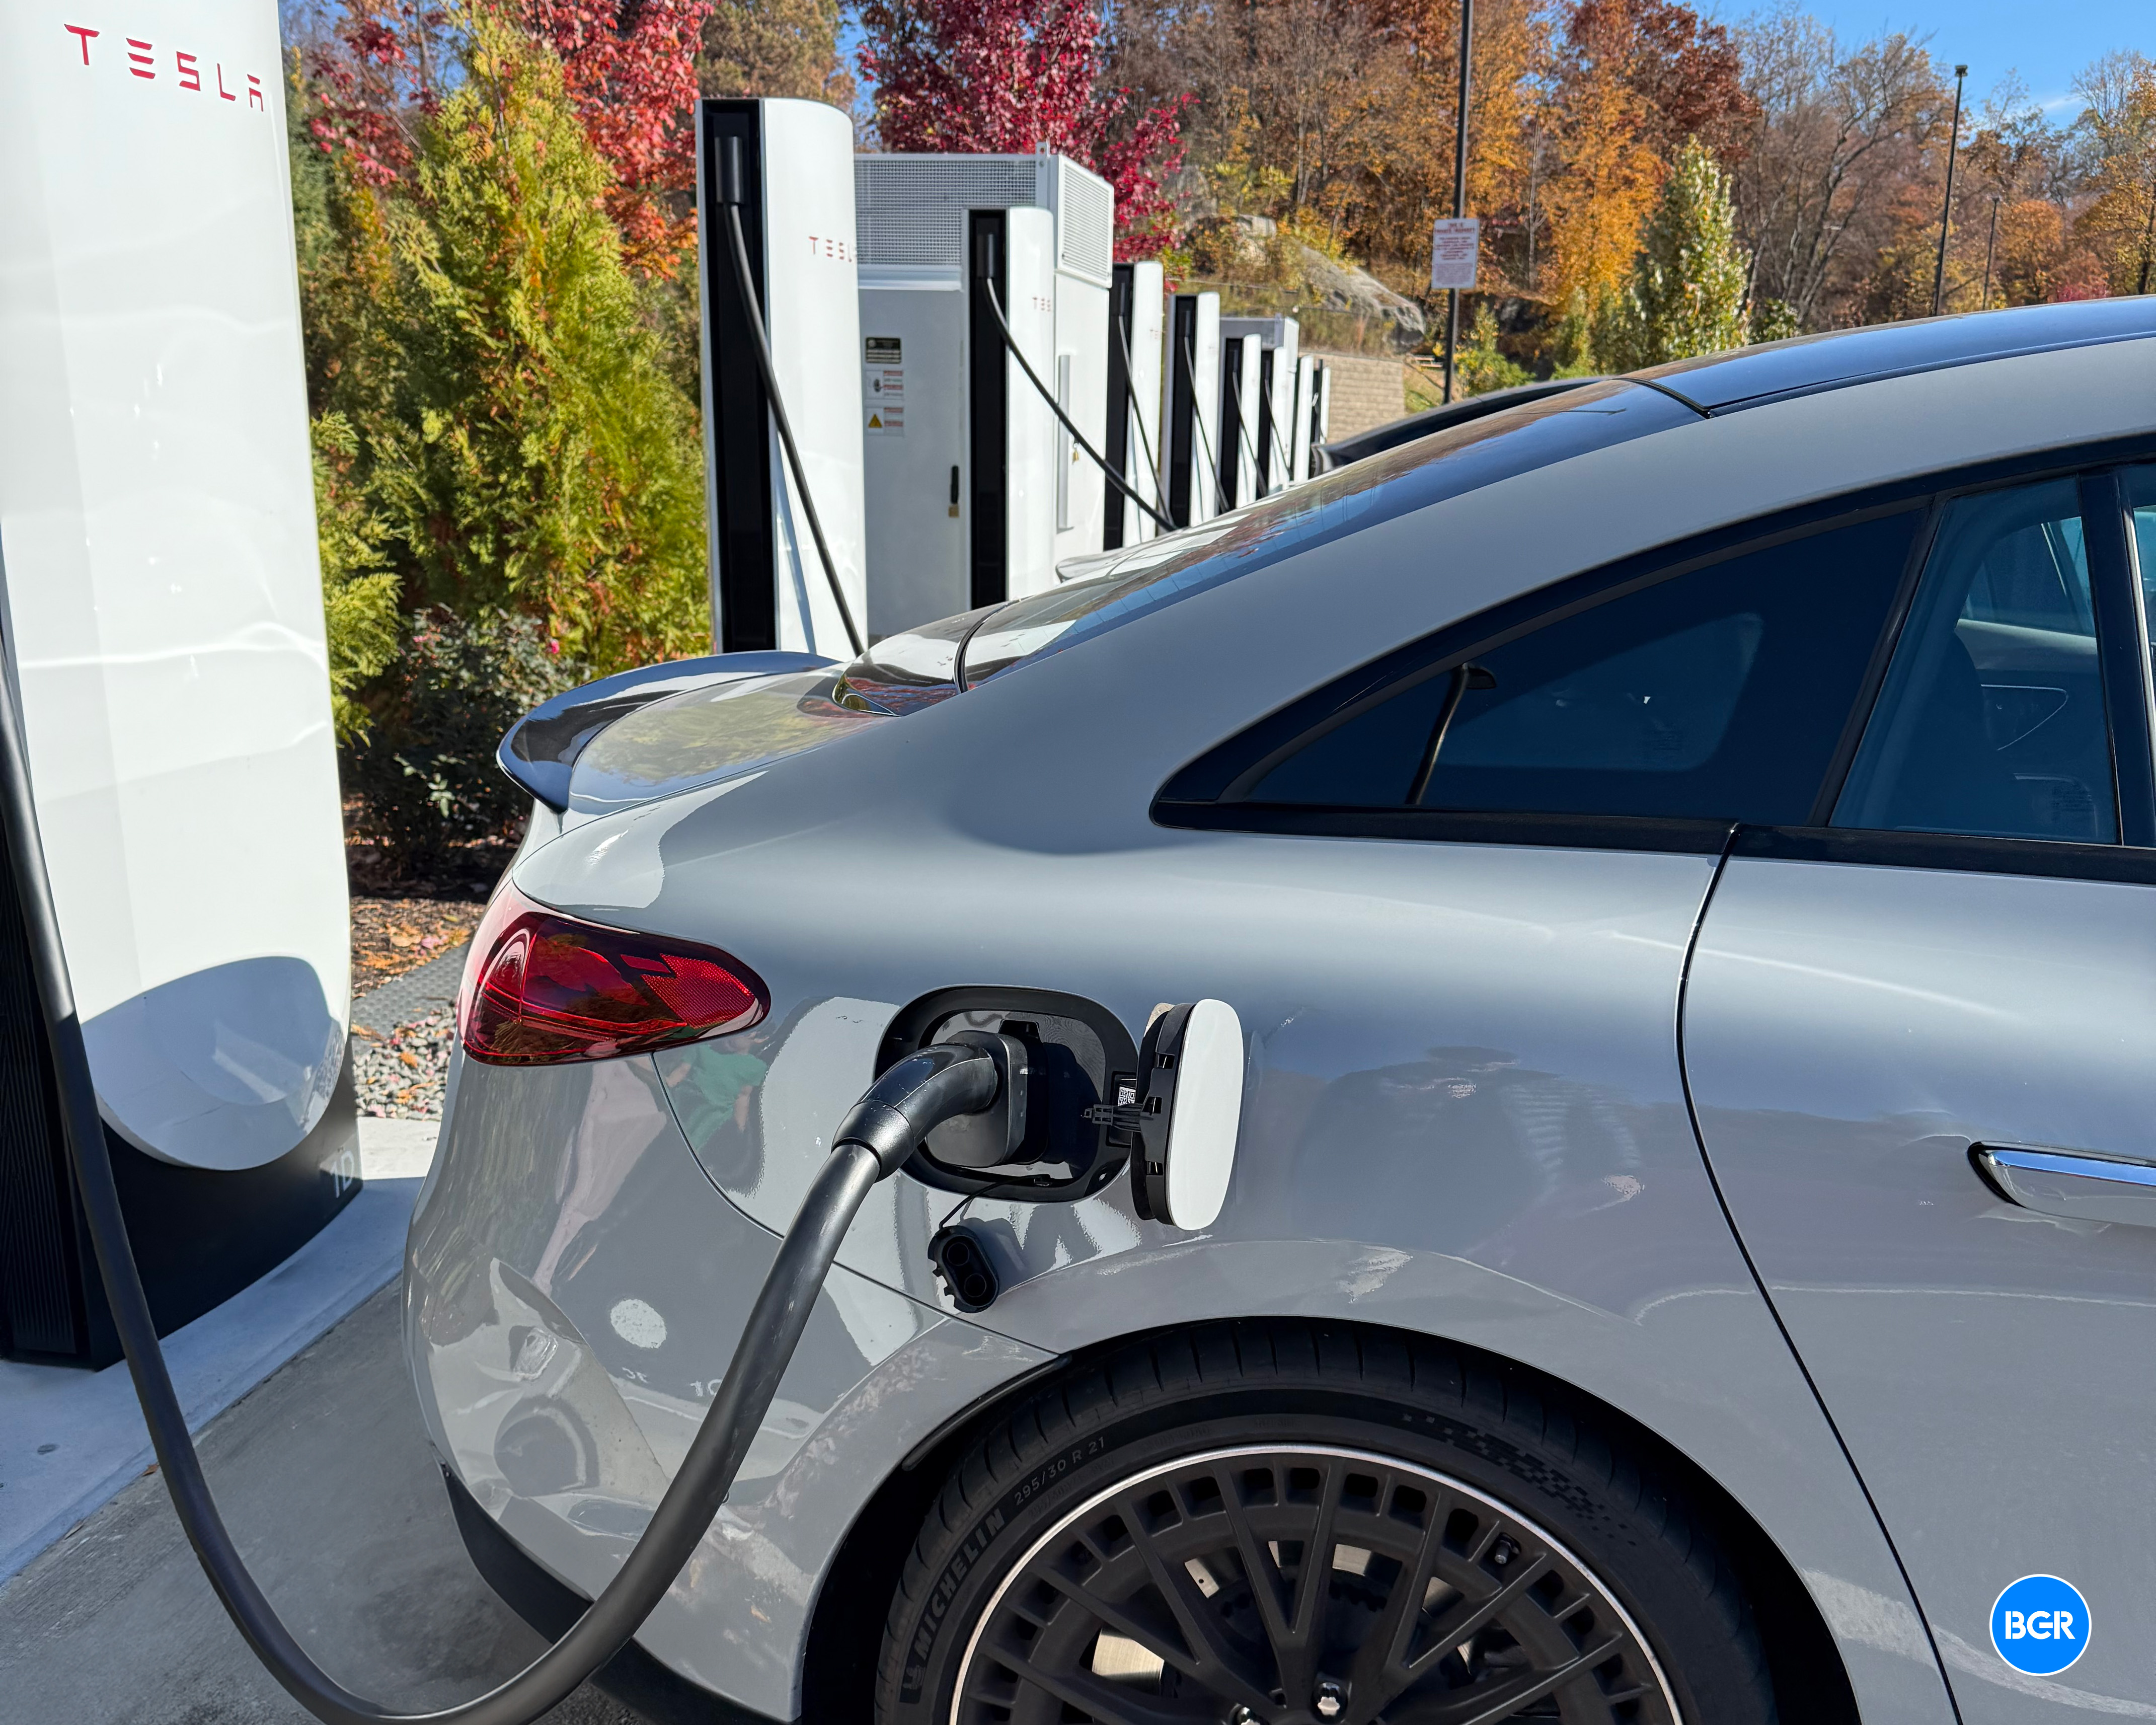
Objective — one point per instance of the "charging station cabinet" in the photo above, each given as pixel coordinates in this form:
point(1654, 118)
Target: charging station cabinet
point(768, 588)
point(963, 470)
point(160, 617)
point(974, 491)
point(1271, 430)
point(1190, 408)
point(1135, 307)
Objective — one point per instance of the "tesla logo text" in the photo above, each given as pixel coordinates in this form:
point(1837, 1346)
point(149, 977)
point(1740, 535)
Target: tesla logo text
point(824, 246)
point(143, 59)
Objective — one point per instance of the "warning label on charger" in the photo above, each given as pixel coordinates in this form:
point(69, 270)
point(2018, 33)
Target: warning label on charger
point(883, 386)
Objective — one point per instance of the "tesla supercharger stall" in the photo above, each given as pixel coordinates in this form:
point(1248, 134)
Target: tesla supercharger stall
point(163, 635)
point(974, 490)
point(769, 590)
point(1134, 338)
point(1190, 408)
point(1270, 418)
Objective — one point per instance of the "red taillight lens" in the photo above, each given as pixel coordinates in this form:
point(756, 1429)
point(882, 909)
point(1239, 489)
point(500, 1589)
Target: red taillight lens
point(540, 988)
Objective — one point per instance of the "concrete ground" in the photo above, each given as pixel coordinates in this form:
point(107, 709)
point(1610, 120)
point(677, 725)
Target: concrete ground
point(327, 1483)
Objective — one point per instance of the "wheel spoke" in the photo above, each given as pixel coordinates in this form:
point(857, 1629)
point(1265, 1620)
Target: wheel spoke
point(1471, 1616)
point(1219, 1662)
point(1297, 1652)
point(1111, 1615)
point(1268, 1587)
point(1381, 1667)
point(1496, 1701)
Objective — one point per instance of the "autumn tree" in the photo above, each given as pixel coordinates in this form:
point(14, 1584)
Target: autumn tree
point(774, 47)
point(2120, 125)
point(376, 73)
point(1685, 296)
point(1837, 160)
point(1014, 76)
point(629, 68)
point(1634, 84)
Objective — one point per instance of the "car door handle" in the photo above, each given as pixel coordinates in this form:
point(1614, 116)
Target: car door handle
point(2070, 1183)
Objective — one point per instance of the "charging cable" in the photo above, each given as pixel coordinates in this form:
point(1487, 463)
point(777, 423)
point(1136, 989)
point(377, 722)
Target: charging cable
point(730, 182)
point(1198, 419)
point(928, 1089)
point(1154, 471)
point(1056, 407)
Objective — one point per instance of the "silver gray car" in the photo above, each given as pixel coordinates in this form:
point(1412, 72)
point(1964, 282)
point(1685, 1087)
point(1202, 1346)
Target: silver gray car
point(1680, 855)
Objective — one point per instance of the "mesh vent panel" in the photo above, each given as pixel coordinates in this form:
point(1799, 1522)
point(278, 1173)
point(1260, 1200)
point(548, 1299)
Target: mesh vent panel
point(911, 209)
point(1088, 227)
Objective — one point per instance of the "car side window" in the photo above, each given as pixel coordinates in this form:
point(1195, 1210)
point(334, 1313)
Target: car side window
point(1721, 693)
point(1991, 722)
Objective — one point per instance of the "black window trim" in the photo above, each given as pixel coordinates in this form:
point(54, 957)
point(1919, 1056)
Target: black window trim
point(1210, 793)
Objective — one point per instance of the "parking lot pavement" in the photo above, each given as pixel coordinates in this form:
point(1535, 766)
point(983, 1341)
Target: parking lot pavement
point(329, 1486)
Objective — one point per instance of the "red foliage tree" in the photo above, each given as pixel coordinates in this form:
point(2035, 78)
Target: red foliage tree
point(379, 69)
point(995, 77)
point(630, 67)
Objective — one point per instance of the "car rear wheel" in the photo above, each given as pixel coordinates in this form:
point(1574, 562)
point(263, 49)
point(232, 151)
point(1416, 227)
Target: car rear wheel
point(1278, 1523)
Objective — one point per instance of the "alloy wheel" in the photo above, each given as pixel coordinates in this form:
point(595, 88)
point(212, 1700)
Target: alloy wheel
point(1302, 1585)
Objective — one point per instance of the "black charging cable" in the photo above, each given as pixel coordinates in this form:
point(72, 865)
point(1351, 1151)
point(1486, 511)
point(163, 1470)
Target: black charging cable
point(731, 196)
point(1056, 407)
point(1198, 419)
point(1154, 469)
point(926, 1089)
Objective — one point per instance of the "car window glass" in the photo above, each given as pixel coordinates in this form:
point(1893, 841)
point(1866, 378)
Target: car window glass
point(1720, 694)
point(1992, 720)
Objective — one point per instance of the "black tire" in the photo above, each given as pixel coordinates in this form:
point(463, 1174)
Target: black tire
point(1443, 1471)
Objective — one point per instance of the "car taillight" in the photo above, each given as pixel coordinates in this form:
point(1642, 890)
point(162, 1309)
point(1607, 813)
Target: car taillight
point(539, 987)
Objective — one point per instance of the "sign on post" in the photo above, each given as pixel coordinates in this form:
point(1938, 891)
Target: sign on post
point(1455, 244)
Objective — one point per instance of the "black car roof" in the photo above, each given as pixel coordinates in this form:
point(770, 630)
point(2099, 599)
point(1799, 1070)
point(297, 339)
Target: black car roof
point(1750, 377)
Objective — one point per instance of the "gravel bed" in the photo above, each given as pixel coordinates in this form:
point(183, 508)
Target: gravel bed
point(400, 1074)
point(391, 935)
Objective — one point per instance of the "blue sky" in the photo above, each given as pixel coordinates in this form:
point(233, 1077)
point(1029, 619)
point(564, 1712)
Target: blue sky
point(2047, 41)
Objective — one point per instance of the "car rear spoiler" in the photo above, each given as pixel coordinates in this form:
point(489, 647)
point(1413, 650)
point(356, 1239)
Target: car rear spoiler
point(542, 747)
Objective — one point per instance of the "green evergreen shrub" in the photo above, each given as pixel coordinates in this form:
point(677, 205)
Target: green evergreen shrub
point(359, 590)
point(1686, 292)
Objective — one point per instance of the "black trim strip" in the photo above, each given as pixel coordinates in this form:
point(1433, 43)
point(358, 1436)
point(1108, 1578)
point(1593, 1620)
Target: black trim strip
point(2121, 652)
point(1854, 379)
point(1954, 852)
point(1451, 826)
point(1684, 401)
point(1875, 673)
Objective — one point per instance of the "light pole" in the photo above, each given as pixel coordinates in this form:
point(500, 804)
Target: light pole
point(1991, 245)
point(1946, 212)
point(1459, 195)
